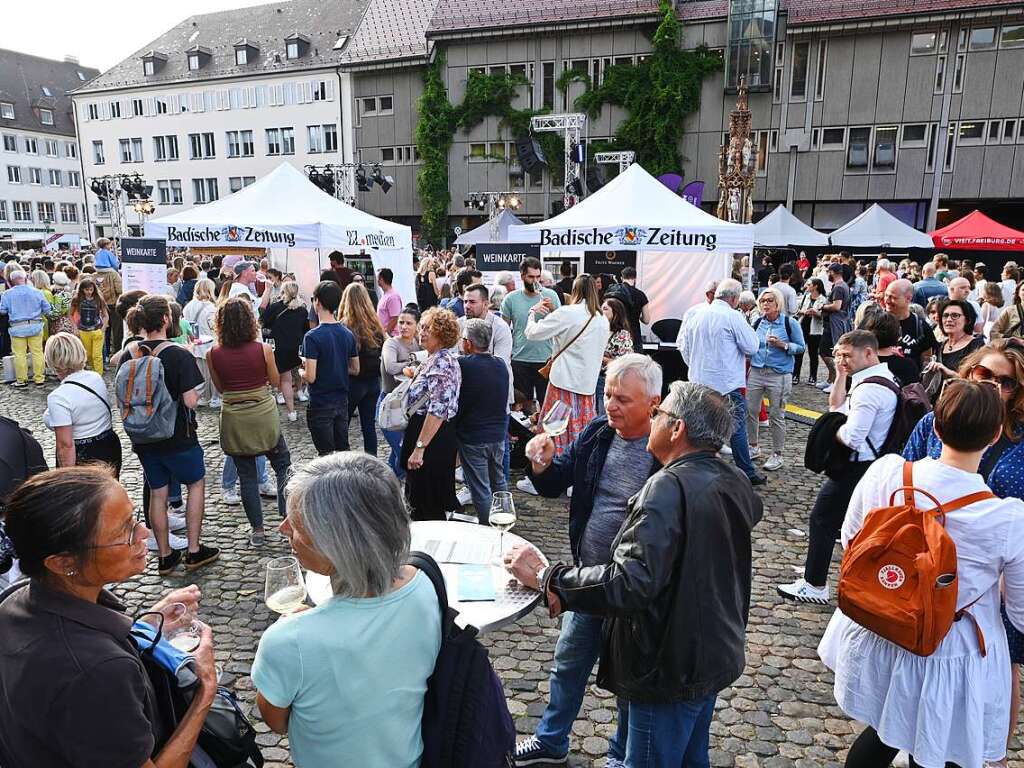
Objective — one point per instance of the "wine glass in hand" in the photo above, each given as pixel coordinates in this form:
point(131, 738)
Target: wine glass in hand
point(502, 517)
point(180, 627)
point(557, 419)
point(286, 589)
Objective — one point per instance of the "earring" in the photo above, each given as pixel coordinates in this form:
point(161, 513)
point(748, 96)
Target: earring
point(70, 573)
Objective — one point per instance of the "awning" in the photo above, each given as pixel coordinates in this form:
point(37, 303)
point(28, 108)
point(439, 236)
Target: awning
point(780, 229)
point(977, 232)
point(24, 237)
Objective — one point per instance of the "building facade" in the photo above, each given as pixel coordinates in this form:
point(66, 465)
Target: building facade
point(216, 102)
point(42, 198)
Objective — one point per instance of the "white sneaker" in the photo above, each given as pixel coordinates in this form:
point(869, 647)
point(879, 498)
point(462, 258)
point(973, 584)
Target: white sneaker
point(280, 399)
point(292, 416)
point(725, 450)
point(303, 395)
point(464, 496)
point(827, 389)
point(822, 385)
point(230, 496)
point(774, 462)
point(176, 542)
point(175, 522)
point(764, 423)
point(216, 402)
point(526, 486)
point(268, 490)
point(803, 592)
point(755, 452)
point(459, 476)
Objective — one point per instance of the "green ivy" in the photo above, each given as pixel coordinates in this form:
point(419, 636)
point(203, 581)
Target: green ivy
point(435, 130)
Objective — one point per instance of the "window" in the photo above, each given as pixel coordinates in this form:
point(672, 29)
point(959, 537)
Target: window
point(819, 74)
point(994, 132)
point(46, 116)
point(35, 176)
point(193, 61)
point(52, 148)
point(74, 179)
point(947, 160)
point(94, 111)
point(47, 212)
point(13, 174)
point(319, 90)
point(982, 38)
point(330, 137)
point(496, 151)
point(547, 85)
point(97, 153)
point(972, 132)
point(933, 133)
point(54, 177)
point(6, 110)
point(161, 105)
point(3, 210)
point(273, 141)
point(940, 74)
point(922, 43)
point(240, 144)
point(885, 146)
point(315, 138)
point(958, 72)
point(131, 150)
point(148, 67)
point(69, 213)
point(761, 139)
point(22, 211)
point(165, 148)
point(10, 143)
point(204, 190)
point(914, 135)
point(31, 146)
point(779, 76)
point(477, 151)
point(71, 150)
point(280, 141)
point(798, 80)
point(115, 109)
point(1011, 36)
point(386, 105)
point(137, 108)
point(833, 138)
point(751, 39)
point(292, 50)
point(169, 192)
point(368, 106)
point(857, 148)
point(201, 146)
point(1009, 130)
point(387, 155)
point(235, 183)
point(241, 56)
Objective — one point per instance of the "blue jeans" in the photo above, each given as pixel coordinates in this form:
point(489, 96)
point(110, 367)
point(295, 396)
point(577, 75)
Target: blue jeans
point(393, 437)
point(738, 442)
point(247, 467)
point(328, 426)
point(659, 735)
point(229, 476)
point(599, 395)
point(576, 652)
point(484, 473)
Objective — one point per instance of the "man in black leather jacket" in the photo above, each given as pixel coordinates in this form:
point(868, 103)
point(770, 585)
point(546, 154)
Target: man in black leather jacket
point(677, 592)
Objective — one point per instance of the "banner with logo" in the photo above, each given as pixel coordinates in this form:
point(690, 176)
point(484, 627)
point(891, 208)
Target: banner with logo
point(144, 264)
point(291, 236)
point(608, 262)
point(729, 238)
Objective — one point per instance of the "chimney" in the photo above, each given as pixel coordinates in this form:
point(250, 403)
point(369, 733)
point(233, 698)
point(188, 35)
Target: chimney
point(69, 59)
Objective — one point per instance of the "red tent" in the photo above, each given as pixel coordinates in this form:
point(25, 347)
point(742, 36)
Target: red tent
point(977, 232)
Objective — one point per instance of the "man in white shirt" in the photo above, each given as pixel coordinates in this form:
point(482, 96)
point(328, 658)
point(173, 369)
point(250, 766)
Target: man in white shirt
point(244, 285)
point(786, 290)
point(869, 408)
point(715, 342)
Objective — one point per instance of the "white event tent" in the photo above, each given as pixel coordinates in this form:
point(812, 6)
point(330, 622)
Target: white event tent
point(877, 228)
point(285, 212)
point(679, 247)
point(781, 229)
point(490, 232)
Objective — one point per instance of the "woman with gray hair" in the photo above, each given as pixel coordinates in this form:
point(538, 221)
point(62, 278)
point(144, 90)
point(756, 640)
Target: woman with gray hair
point(348, 677)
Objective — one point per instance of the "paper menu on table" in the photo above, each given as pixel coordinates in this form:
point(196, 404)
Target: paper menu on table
point(462, 552)
point(476, 583)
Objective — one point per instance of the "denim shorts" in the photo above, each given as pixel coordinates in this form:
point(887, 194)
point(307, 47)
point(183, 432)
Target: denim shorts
point(186, 466)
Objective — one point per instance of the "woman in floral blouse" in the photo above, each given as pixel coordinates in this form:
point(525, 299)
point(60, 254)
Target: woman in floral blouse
point(428, 447)
point(619, 343)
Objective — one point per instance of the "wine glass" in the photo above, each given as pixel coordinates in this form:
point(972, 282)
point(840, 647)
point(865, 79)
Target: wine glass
point(180, 627)
point(286, 589)
point(557, 419)
point(502, 516)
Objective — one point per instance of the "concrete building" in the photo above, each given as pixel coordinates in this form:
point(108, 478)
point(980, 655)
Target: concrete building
point(217, 101)
point(42, 201)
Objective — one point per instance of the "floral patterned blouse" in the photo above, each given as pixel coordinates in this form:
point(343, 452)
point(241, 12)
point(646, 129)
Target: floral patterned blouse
point(440, 378)
point(619, 343)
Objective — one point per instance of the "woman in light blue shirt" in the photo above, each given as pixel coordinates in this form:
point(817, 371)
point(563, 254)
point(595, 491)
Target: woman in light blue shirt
point(346, 680)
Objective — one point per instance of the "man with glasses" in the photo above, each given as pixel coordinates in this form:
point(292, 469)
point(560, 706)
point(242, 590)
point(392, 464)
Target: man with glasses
point(869, 408)
point(674, 594)
point(916, 337)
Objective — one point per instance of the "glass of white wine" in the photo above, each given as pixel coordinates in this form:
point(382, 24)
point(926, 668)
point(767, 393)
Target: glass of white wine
point(286, 589)
point(502, 516)
point(180, 627)
point(557, 419)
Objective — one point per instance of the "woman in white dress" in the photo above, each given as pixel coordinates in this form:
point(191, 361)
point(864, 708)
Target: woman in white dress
point(952, 706)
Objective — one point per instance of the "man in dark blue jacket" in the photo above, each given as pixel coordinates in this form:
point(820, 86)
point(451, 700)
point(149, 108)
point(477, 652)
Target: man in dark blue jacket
point(605, 466)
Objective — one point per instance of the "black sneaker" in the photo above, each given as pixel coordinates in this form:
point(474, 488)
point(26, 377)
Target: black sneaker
point(198, 559)
point(758, 480)
point(531, 752)
point(167, 564)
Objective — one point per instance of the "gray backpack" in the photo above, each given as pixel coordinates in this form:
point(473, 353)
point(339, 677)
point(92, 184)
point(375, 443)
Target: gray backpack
point(147, 408)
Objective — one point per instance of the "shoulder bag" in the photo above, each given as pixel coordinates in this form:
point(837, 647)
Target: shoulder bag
point(545, 370)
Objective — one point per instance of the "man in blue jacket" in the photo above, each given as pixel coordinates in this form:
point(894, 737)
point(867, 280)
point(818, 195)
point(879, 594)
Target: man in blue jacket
point(605, 466)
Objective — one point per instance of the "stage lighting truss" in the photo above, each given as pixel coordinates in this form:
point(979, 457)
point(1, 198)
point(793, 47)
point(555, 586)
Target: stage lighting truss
point(343, 180)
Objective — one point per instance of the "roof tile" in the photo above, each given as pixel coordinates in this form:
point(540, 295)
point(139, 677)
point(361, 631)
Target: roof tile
point(459, 15)
point(22, 78)
point(390, 29)
point(823, 11)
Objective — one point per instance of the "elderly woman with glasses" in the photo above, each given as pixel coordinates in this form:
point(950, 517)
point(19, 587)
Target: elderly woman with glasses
point(348, 677)
point(75, 690)
point(957, 321)
point(1000, 363)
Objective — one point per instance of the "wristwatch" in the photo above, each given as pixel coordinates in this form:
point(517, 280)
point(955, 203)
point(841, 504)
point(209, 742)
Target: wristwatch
point(542, 575)
point(420, 445)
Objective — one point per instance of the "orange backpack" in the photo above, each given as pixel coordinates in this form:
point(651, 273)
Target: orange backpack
point(899, 577)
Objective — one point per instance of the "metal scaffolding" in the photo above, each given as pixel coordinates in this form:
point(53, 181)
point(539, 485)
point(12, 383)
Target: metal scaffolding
point(571, 125)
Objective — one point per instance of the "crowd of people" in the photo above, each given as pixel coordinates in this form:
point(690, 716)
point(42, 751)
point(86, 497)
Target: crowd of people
point(527, 372)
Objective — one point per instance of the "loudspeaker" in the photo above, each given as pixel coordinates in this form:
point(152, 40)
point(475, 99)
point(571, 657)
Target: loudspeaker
point(595, 179)
point(529, 153)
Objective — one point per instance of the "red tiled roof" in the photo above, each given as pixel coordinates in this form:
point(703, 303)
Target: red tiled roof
point(464, 15)
point(389, 30)
point(696, 10)
point(823, 11)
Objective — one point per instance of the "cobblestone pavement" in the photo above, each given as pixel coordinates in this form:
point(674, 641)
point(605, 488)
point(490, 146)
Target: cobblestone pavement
point(779, 713)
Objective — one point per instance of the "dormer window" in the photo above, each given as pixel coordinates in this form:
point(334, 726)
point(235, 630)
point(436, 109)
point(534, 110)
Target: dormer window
point(193, 61)
point(241, 56)
point(6, 110)
point(152, 63)
point(245, 52)
point(46, 116)
point(293, 50)
point(148, 67)
point(198, 57)
point(296, 46)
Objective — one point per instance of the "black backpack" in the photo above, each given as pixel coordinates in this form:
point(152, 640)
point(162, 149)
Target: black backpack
point(789, 328)
point(912, 403)
point(466, 722)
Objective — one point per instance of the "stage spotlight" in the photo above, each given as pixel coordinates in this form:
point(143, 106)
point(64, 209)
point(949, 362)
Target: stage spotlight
point(364, 184)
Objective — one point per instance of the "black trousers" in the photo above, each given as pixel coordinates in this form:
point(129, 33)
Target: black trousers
point(328, 427)
point(813, 344)
point(430, 490)
point(106, 449)
point(827, 516)
point(526, 379)
point(868, 751)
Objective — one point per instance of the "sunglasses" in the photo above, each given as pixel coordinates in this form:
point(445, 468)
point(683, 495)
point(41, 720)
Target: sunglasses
point(1007, 384)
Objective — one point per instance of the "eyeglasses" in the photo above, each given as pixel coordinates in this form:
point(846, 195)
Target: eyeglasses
point(952, 315)
point(131, 538)
point(1007, 384)
point(659, 410)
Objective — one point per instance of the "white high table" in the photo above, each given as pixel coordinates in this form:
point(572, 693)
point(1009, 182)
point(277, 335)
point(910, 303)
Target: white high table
point(438, 536)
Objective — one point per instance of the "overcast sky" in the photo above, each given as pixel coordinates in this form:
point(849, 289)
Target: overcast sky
point(99, 32)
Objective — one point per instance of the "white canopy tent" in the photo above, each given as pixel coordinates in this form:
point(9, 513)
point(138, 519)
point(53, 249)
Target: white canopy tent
point(679, 247)
point(781, 229)
point(284, 211)
point(490, 231)
point(877, 228)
